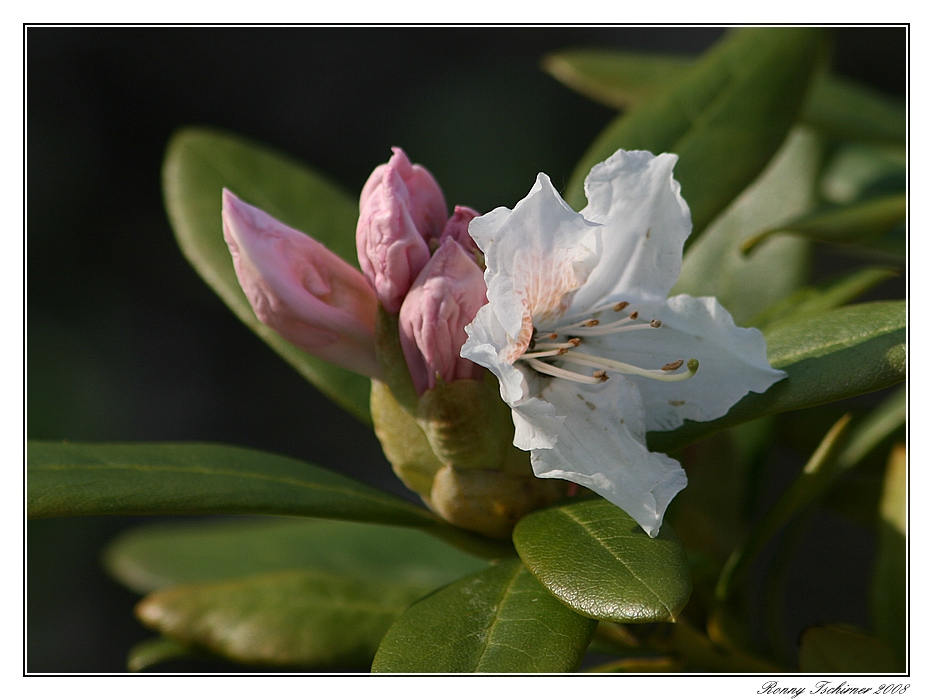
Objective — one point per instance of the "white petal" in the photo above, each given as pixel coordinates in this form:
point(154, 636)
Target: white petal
point(733, 360)
point(486, 340)
point(537, 255)
point(597, 448)
point(634, 195)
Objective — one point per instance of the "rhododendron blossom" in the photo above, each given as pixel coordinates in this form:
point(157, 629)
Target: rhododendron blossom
point(589, 351)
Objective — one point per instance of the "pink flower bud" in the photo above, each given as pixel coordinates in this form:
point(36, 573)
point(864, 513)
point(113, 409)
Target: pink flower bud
point(402, 208)
point(300, 289)
point(443, 300)
point(458, 228)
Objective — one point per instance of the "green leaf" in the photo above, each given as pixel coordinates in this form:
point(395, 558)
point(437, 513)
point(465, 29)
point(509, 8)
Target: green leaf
point(828, 357)
point(154, 651)
point(847, 224)
point(198, 164)
point(815, 300)
point(812, 482)
point(838, 108)
point(745, 285)
point(597, 560)
point(847, 111)
point(857, 495)
point(288, 618)
point(725, 118)
point(856, 171)
point(497, 621)
point(205, 479)
point(837, 649)
point(616, 78)
point(875, 428)
point(156, 556)
point(889, 579)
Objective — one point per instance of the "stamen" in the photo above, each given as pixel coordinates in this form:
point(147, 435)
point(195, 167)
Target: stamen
point(620, 306)
point(615, 327)
point(579, 358)
point(550, 349)
point(576, 327)
point(545, 368)
point(655, 323)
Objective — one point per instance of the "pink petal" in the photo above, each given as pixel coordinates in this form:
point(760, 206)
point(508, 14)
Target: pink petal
point(300, 289)
point(402, 209)
point(444, 299)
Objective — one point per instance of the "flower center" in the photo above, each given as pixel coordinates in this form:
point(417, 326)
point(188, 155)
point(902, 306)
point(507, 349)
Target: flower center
point(563, 342)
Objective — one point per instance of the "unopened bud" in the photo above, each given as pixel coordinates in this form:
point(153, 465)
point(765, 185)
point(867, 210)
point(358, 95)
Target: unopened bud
point(443, 300)
point(402, 208)
point(300, 289)
point(490, 502)
point(458, 228)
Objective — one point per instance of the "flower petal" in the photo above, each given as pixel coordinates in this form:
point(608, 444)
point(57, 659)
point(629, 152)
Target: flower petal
point(486, 340)
point(601, 447)
point(537, 255)
point(432, 321)
point(634, 195)
point(733, 360)
point(401, 209)
point(300, 289)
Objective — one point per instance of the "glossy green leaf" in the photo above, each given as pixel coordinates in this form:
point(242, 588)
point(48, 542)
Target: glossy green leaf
point(725, 118)
point(497, 621)
point(596, 559)
point(860, 222)
point(745, 285)
point(288, 618)
point(837, 649)
point(828, 357)
point(204, 479)
point(154, 651)
point(889, 579)
point(838, 108)
point(199, 163)
point(156, 556)
point(818, 299)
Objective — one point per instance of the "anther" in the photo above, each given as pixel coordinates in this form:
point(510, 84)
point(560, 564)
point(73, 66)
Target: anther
point(633, 315)
point(601, 375)
point(574, 341)
point(671, 366)
point(620, 306)
point(592, 322)
point(552, 336)
point(655, 323)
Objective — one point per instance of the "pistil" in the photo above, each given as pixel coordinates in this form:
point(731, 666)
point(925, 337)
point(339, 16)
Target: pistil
point(579, 358)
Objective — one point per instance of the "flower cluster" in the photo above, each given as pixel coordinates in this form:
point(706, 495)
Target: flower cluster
point(571, 314)
point(324, 306)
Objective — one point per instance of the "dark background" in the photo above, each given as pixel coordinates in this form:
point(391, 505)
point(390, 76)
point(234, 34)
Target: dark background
point(125, 343)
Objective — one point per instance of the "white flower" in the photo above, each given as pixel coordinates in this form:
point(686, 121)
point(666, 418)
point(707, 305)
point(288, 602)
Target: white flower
point(589, 351)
